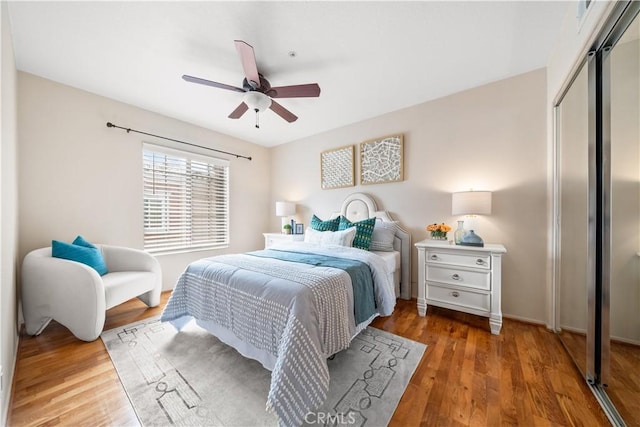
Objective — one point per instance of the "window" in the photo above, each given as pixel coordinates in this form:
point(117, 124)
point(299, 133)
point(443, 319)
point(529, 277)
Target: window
point(186, 200)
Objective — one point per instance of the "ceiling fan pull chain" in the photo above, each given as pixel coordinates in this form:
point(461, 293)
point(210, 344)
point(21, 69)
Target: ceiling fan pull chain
point(257, 118)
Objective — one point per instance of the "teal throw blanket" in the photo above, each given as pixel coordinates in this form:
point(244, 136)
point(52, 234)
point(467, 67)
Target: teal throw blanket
point(360, 273)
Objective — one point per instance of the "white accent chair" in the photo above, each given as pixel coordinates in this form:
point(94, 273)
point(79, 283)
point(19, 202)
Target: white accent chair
point(76, 296)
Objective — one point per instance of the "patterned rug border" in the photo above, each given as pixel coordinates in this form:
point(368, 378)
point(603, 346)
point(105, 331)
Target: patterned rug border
point(350, 408)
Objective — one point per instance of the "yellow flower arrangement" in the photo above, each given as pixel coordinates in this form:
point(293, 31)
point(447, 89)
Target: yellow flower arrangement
point(438, 231)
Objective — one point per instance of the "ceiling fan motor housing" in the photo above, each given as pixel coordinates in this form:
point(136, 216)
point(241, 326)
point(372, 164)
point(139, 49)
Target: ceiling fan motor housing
point(264, 84)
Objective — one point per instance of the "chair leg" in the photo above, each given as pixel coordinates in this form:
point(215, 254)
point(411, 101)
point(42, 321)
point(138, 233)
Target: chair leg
point(36, 328)
point(151, 298)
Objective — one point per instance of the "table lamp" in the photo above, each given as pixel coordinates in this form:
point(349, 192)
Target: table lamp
point(470, 203)
point(284, 210)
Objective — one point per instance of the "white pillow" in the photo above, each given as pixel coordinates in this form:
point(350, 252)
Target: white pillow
point(325, 238)
point(383, 236)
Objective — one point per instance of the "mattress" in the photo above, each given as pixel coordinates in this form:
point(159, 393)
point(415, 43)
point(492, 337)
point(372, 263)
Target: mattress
point(391, 259)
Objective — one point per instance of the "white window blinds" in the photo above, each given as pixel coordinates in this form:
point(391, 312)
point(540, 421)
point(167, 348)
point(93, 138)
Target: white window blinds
point(186, 200)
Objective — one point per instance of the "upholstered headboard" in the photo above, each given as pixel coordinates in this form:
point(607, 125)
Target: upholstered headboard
point(359, 206)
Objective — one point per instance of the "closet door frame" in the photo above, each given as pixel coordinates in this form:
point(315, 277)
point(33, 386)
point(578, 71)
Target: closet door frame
point(599, 203)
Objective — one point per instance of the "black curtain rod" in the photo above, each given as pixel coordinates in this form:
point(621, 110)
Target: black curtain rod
point(111, 125)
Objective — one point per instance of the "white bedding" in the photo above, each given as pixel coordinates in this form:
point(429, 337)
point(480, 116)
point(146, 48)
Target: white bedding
point(289, 316)
point(391, 259)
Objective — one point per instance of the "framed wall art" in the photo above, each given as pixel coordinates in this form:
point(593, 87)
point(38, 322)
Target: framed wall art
point(381, 160)
point(337, 168)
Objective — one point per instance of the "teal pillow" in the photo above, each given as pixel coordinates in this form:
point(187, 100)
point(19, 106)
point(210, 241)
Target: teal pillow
point(364, 231)
point(80, 241)
point(89, 255)
point(328, 225)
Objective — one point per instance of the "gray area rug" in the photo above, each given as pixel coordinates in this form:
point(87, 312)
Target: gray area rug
point(190, 378)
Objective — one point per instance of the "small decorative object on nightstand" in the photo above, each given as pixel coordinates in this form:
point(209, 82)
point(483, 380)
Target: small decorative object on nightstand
point(459, 233)
point(470, 203)
point(272, 238)
point(472, 239)
point(438, 231)
point(462, 278)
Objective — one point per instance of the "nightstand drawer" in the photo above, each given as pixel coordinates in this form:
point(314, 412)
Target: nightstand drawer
point(458, 276)
point(473, 300)
point(476, 261)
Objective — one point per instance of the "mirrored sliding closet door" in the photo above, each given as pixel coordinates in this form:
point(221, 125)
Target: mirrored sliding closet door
point(623, 376)
point(597, 206)
point(572, 118)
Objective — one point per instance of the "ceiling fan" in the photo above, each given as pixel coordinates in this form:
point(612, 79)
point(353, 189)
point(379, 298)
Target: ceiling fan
point(258, 93)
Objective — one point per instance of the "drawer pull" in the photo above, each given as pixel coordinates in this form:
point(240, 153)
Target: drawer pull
point(480, 261)
point(434, 257)
point(455, 294)
point(456, 277)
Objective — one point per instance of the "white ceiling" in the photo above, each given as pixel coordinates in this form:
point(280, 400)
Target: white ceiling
point(369, 58)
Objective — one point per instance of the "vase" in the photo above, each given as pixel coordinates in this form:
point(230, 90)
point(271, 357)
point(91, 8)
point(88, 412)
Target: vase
point(438, 235)
point(472, 239)
point(459, 233)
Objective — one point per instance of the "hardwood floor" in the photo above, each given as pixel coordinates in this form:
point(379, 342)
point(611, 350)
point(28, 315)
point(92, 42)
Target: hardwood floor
point(624, 383)
point(467, 377)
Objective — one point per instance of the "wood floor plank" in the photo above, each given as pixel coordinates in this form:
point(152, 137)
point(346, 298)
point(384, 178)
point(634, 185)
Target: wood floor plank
point(467, 377)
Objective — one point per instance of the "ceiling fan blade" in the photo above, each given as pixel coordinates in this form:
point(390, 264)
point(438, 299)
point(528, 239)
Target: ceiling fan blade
point(283, 112)
point(296, 91)
point(248, 59)
point(198, 80)
point(239, 111)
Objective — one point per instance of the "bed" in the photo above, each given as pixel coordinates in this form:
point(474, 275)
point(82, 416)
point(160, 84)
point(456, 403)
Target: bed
point(292, 306)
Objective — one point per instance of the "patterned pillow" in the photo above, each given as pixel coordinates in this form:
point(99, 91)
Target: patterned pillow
point(364, 231)
point(328, 225)
point(383, 236)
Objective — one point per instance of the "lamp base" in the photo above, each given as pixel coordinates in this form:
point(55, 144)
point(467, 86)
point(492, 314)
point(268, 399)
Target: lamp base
point(472, 239)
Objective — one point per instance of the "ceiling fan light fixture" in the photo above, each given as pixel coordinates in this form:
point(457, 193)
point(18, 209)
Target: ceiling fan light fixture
point(257, 101)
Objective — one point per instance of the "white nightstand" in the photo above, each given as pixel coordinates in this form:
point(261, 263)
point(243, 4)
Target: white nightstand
point(271, 238)
point(463, 278)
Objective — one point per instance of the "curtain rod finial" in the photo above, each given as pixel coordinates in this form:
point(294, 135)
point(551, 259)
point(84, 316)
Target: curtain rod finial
point(110, 125)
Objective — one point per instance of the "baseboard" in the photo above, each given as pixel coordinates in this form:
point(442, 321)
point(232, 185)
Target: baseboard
point(526, 320)
point(627, 341)
point(7, 381)
point(573, 330)
point(612, 338)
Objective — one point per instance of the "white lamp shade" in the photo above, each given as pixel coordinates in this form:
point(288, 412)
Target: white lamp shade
point(257, 100)
point(471, 203)
point(285, 208)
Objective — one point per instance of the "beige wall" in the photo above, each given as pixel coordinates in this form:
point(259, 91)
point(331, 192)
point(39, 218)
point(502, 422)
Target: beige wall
point(79, 177)
point(8, 214)
point(488, 138)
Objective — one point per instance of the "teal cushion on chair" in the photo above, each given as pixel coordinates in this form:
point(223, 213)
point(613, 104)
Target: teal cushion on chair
point(80, 241)
point(328, 225)
point(364, 231)
point(80, 252)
